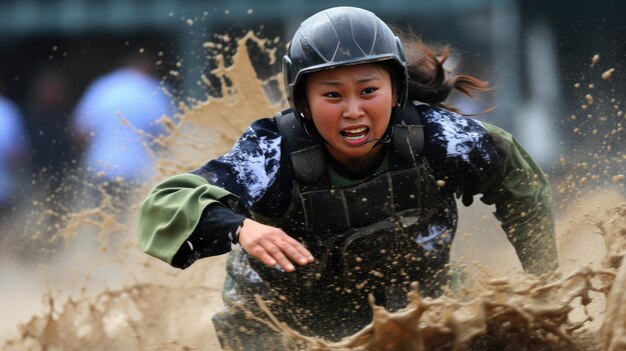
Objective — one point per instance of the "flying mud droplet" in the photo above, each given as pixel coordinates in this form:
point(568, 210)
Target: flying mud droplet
point(595, 59)
point(607, 75)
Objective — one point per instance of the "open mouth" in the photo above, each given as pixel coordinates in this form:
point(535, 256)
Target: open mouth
point(355, 134)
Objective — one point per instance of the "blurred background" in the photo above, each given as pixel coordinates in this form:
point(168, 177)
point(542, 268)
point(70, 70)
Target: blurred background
point(63, 62)
point(532, 51)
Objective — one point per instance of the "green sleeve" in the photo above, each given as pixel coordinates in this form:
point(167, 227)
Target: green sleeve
point(172, 210)
point(523, 199)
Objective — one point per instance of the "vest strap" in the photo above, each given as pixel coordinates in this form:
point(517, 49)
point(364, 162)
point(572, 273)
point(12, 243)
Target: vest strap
point(307, 156)
point(408, 133)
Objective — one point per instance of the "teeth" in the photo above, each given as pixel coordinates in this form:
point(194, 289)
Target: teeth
point(354, 131)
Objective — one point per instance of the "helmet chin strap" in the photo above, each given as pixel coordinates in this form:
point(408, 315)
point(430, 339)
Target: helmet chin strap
point(385, 139)
point(310, 130)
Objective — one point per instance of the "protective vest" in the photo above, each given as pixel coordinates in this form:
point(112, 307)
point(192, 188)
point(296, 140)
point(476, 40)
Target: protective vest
point(366, 238)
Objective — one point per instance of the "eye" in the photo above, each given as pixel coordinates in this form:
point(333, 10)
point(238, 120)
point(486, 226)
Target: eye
point(369, 90)
point(332, 94)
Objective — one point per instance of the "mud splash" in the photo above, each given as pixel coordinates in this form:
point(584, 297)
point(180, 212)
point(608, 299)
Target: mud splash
point(164, 309)
point(528, 314)
point(614, 231)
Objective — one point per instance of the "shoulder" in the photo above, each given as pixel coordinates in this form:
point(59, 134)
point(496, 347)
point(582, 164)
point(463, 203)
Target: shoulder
point(446, 124)
point(457, 134)
point(261, 137)
point(264, 127)
point(458, 144)
point(256, 149)
point(251, 166)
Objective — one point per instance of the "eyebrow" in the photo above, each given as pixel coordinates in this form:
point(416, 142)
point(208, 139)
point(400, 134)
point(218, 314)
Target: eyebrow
point(362, 80)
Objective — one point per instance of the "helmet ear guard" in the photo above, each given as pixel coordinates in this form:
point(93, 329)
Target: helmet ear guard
point(287, 79)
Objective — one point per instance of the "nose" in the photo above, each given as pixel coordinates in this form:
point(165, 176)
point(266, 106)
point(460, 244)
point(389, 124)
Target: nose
point(353, 108)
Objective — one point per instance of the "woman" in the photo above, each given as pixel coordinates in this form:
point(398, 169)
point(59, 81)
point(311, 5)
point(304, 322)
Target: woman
point(349, 193)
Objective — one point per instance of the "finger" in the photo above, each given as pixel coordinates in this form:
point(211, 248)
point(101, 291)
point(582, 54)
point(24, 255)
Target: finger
point(296, 252)
point(306, 253)
point(262, 255)
point(301, 251)
point(280, 257)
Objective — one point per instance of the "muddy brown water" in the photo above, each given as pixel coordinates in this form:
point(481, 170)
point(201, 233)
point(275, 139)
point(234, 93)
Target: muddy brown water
point(101, 293)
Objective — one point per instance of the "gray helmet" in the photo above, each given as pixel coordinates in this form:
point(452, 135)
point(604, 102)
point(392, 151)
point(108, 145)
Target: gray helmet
point(342, 36)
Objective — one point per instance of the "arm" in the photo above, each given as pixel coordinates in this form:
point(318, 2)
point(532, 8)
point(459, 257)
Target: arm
point(200, 214)
point(172, 212)
point(184, 219)
point(479, 158)
point(523, 199)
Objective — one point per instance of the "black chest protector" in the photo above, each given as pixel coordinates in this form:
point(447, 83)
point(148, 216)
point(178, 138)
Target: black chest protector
point(370, 238)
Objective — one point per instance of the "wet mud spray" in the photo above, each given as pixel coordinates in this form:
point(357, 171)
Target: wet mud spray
point(149, 305)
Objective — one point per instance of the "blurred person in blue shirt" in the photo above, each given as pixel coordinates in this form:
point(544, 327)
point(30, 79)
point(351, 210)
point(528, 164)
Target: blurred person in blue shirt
point(109, 114)
point(13, 149)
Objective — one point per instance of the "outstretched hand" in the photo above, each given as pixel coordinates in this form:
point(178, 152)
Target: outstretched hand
point(272, 246)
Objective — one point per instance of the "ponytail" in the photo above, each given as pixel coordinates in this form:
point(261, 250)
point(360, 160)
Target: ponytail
point(429, 82)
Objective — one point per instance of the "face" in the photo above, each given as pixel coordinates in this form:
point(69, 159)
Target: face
point(351, 108)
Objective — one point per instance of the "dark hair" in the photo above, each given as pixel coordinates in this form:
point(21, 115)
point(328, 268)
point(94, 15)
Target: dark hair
point(429, 81)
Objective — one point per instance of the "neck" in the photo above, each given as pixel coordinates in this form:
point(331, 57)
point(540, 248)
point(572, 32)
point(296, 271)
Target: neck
point(361, 166)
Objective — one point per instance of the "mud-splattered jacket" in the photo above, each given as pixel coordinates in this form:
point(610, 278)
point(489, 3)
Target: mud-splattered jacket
point(195, 215)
